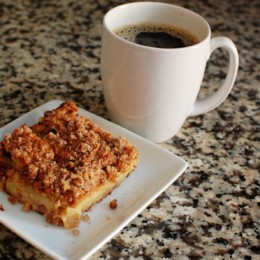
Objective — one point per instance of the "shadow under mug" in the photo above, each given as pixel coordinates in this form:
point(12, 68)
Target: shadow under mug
point(152, 91)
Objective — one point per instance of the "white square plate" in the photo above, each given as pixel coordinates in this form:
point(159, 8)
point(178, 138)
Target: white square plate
point(156, 171)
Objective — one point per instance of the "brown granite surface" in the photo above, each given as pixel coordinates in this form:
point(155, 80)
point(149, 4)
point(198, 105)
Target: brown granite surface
point(51, 50)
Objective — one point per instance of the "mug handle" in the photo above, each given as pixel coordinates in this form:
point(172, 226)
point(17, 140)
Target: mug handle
point(209, 103)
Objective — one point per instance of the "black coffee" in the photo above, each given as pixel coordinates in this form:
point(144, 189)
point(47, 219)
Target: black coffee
point(159, 40)
point(157, 35)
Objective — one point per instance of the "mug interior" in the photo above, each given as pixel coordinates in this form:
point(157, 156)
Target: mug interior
point(157, 12)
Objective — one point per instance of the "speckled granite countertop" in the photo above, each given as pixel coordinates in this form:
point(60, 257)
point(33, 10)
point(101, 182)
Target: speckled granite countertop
point(51, 49)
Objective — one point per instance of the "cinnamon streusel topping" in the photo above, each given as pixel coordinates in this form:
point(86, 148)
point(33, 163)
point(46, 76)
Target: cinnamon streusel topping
point(64, 155)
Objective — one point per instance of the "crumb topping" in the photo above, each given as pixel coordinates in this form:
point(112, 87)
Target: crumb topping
point(12, 199)
point(85, 217)
point(75, 232)
point(64, 155)
point(113, 204)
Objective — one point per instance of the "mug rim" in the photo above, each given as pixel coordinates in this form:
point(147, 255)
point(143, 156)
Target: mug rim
point(123, 6)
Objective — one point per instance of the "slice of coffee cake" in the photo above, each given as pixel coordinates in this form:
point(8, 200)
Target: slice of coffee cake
point(63, 165)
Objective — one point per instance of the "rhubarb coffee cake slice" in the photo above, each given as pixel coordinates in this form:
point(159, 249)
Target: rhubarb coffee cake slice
point(63, 165)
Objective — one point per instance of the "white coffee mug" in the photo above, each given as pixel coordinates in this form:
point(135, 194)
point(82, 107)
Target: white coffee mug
point(151, 91)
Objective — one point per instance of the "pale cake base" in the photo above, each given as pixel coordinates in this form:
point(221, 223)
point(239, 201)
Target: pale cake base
point(71, 216)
